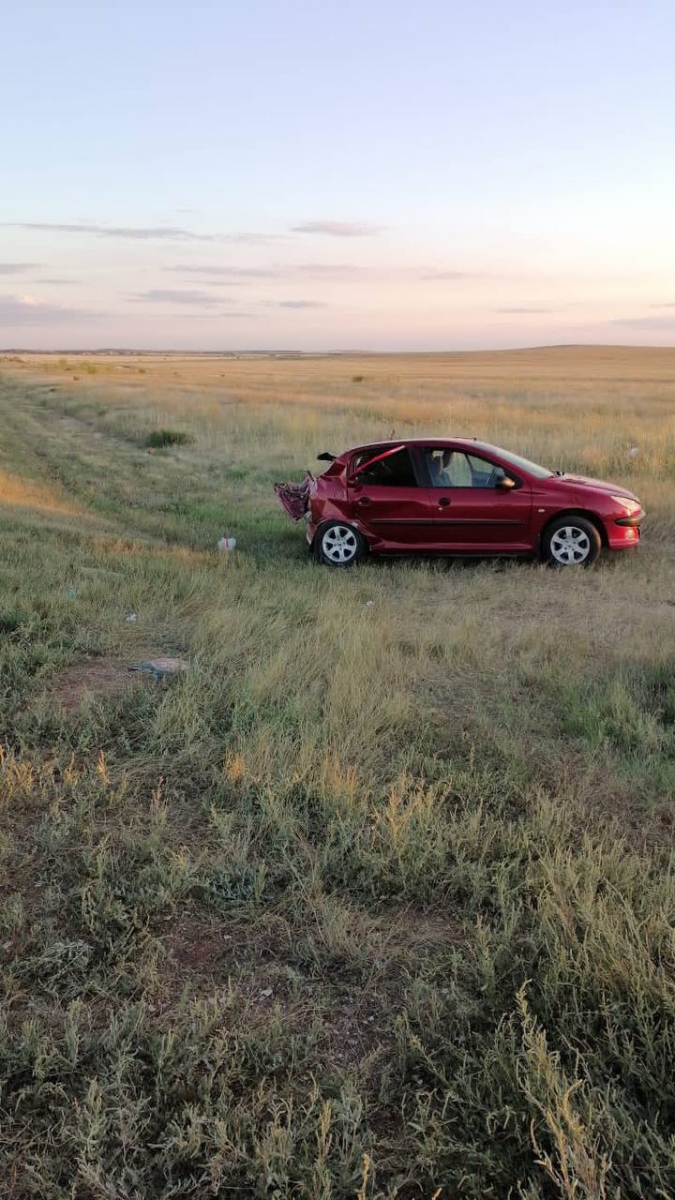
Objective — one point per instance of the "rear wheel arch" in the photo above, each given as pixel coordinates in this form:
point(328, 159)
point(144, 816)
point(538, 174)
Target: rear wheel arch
point(321, 525)
point(360, 548)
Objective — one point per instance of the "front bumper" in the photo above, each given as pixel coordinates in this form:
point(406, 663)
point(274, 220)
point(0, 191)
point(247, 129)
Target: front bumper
point(625, 532)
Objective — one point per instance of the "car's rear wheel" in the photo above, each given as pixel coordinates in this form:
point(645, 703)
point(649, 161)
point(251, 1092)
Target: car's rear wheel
point(571, 541)
point(339, 545)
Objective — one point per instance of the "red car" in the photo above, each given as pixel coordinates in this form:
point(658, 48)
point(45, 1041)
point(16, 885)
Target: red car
point(460, 496)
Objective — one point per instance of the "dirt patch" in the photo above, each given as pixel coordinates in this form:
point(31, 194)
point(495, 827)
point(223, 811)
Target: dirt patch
point(207, 953)
point(425, 932)
point(199, 947)
point(97, 677)
point(218, 946)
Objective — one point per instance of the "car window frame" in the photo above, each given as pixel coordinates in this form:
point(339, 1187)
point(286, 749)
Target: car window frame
point(379, 453)
point(424, 450)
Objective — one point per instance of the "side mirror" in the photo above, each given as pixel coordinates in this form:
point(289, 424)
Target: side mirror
point(505, 484)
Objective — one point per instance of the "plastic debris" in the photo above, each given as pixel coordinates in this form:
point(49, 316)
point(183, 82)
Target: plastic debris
point(266, 992)
point(131, 619)
point(634, 451)
point(369, 604)
point(227, 543)
point(72, 593)
point(161, 668)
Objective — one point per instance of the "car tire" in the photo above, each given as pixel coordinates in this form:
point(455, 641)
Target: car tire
point(571, 541)
point(338, 544)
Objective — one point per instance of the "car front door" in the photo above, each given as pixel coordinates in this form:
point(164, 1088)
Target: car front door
point(475, 510)
point(385, 497)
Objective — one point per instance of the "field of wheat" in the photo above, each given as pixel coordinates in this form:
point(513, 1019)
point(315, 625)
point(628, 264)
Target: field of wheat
point(376, 900)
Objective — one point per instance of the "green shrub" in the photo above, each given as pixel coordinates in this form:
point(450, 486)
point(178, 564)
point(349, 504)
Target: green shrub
point(167, 437)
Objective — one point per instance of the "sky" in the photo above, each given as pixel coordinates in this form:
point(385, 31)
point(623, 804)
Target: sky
point(303, 175)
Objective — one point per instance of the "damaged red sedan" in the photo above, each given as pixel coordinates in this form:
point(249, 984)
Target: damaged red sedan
point(460, 496)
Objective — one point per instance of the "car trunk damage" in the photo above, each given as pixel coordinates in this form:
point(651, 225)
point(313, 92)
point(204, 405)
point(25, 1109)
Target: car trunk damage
point(295, 496)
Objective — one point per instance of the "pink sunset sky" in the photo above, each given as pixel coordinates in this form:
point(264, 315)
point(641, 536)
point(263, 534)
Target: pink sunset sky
point(320, 177)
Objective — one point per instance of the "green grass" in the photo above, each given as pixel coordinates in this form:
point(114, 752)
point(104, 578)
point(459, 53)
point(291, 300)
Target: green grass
point(377, 900)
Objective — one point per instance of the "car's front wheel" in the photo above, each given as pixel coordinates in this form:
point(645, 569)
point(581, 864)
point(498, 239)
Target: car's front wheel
point(571, 541)
point(339, 545)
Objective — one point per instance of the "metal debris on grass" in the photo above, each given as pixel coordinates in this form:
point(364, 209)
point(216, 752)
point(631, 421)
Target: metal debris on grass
point(161, 668)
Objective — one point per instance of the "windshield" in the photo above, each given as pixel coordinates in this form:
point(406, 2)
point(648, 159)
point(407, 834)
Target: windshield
point(524, 463)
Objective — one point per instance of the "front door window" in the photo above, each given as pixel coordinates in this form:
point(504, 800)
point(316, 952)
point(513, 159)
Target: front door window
point(456, 469)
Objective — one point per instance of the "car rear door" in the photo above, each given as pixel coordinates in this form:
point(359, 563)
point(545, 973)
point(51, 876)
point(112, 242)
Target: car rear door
point(386, 499)
point(472, 512)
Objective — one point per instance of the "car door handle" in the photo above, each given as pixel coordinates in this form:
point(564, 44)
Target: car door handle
point(363, 502)
point(444, 502)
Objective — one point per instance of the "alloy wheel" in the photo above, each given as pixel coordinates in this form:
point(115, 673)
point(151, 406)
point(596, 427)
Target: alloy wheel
point(339, 544)
point(570, 545)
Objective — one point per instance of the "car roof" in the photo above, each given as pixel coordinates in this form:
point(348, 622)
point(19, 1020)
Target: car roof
point(432, 443)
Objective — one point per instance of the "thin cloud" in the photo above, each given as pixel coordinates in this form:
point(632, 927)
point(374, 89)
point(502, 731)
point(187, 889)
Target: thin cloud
point(226, 273)
point(645, 322)
point(17, 268)
point(251, 239)
point(332, 271)
point(340, 229)
point(169, 233)
point(32, 310)
point(301, 304)
point(192, 297)
point(220, 316)
point(57, 281)
point(349, 271)
point(247, 237)
point(669, 304)
point(432, 275)
point(232, 273)
point(525, 310)
point(320, 270)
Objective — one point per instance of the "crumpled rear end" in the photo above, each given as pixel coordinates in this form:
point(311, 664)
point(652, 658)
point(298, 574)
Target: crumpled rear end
point(295, 496)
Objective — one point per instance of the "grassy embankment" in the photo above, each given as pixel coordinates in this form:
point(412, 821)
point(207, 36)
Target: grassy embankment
point(378, 899)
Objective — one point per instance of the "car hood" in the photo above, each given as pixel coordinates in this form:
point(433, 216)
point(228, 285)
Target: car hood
point(600, 485)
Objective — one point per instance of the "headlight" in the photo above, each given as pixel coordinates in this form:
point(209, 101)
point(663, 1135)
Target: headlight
point(629, 506)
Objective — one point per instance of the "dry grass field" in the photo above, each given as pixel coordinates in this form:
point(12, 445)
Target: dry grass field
point(377, 899)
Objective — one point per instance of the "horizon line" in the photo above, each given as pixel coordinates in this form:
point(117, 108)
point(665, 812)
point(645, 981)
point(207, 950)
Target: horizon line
point(128, 350)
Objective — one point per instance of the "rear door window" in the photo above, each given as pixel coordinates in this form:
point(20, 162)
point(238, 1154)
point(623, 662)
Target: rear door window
point(384, 468)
